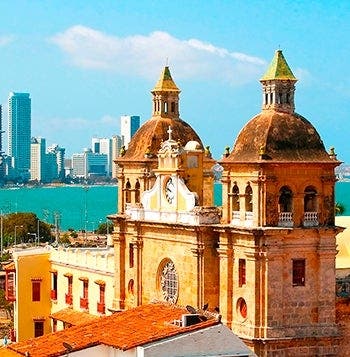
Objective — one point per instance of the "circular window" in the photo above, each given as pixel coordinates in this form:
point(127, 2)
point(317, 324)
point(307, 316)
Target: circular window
point(169, 282)
point(242, 307)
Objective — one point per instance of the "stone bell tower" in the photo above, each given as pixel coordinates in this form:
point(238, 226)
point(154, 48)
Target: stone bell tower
point(278, 197)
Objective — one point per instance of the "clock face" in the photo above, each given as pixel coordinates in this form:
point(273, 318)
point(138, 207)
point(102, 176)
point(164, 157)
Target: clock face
point(170, 191)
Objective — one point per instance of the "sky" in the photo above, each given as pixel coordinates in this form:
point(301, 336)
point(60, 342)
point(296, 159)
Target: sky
point(85, 63)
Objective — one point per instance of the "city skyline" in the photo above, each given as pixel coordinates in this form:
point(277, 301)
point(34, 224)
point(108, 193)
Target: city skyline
point(85, 65)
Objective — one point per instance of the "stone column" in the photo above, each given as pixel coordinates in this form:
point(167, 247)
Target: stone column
point(226, 280)
point(119, 262)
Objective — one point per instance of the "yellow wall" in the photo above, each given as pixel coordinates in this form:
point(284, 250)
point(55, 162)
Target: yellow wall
point(29, 265)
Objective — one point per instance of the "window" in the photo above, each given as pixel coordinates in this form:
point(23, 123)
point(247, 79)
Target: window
point(169, 282)
point(38, 328)
point(137, 191)
point(101, 306)
point(242, 307)
point(241, 272)
point(127, 191)
point(131, 255)
point(310, 199)
point(54, 285)
point(285, 199)
point(248, 198)
point(36, 290)
point(235, 198)
point(69, 294)
point(84, 300)
point(298, 272)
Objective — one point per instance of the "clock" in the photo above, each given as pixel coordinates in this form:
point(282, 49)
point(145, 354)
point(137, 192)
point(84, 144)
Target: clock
point(170, 191)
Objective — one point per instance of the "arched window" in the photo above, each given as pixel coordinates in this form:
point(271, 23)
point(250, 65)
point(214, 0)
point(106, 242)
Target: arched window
point(310, 199)
point(249, 198)
point(168, 281)
point(127, 191)
point(173, 107)
point(137, 191)
point(235, 198)
point(285, 201)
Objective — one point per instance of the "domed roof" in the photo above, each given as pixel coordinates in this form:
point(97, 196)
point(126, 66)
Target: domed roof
point(278, 136)
point(150, 135)
point(146, 142)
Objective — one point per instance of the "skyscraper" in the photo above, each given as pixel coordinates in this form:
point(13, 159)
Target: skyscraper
point(19, 133)
point(2, 161)
point(128, 127)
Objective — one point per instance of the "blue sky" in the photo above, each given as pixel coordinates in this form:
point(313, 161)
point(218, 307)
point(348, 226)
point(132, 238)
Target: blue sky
point(85, 63)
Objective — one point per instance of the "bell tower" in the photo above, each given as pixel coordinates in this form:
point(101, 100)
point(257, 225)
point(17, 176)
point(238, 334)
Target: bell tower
point(166, 96)
point(278, 85)
point(278, 197)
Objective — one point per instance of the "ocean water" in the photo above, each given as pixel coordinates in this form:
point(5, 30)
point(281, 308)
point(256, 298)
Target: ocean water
point(85, 207)
point(77, 207)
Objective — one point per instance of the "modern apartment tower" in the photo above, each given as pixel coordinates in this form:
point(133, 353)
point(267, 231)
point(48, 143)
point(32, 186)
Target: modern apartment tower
point(19, 133)
point(128, 127)
point(2, 159)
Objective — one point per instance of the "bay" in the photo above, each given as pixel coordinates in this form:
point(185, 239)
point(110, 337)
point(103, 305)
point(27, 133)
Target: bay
point(74, 206)
point(85, 207)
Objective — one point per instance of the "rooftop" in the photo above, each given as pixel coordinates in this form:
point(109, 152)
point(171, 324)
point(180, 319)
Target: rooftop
point(137, 327)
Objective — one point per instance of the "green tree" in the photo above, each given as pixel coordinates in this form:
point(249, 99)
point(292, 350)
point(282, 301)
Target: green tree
point(339, 209)
point(102, 228)
point(24, 225)
point(6, 305)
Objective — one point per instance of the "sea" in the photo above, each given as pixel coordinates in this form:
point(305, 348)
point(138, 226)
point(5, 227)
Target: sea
point(82, 207)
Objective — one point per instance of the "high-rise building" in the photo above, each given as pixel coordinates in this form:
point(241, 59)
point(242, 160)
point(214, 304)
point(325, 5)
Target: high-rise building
point(19, 133)
point(59, 154)
point(37, 159)
point(2, 158)
point(111, 148)
point(128, 127)
point(89, 164)
point(116, 146)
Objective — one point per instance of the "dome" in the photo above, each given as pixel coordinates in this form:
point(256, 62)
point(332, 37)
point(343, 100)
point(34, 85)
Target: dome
point(193, 145)
point(278, 136)
point(151, 134)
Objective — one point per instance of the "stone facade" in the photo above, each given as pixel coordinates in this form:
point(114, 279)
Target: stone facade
point(266, 263)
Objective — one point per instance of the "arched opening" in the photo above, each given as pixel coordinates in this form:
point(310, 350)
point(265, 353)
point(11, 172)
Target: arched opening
point(235, 198)
point(137, 191)
point(127, 191)
point(248, 198)
point(285, 207)
point(285, 201)
point(310, 207)
point(310, 199)
point(235, 204)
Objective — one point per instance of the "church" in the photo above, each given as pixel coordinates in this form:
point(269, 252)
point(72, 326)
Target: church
point(265, 260)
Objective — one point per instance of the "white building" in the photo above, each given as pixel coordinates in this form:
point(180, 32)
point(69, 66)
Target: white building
point(128, 127)
point(89, 164)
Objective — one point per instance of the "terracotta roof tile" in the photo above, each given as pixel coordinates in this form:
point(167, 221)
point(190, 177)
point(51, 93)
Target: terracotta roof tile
point(9, 266)
point(73, 317)
point(123, 330)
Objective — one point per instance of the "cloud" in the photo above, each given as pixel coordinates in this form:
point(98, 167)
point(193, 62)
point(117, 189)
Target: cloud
point(143, 56)
point(5, 40)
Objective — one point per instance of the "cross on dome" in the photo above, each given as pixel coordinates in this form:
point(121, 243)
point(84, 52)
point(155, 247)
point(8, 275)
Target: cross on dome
point(169, 132)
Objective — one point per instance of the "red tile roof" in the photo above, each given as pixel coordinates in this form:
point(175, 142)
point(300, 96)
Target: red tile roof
point(122, 330)
point(73, 317)
point(9, 266)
